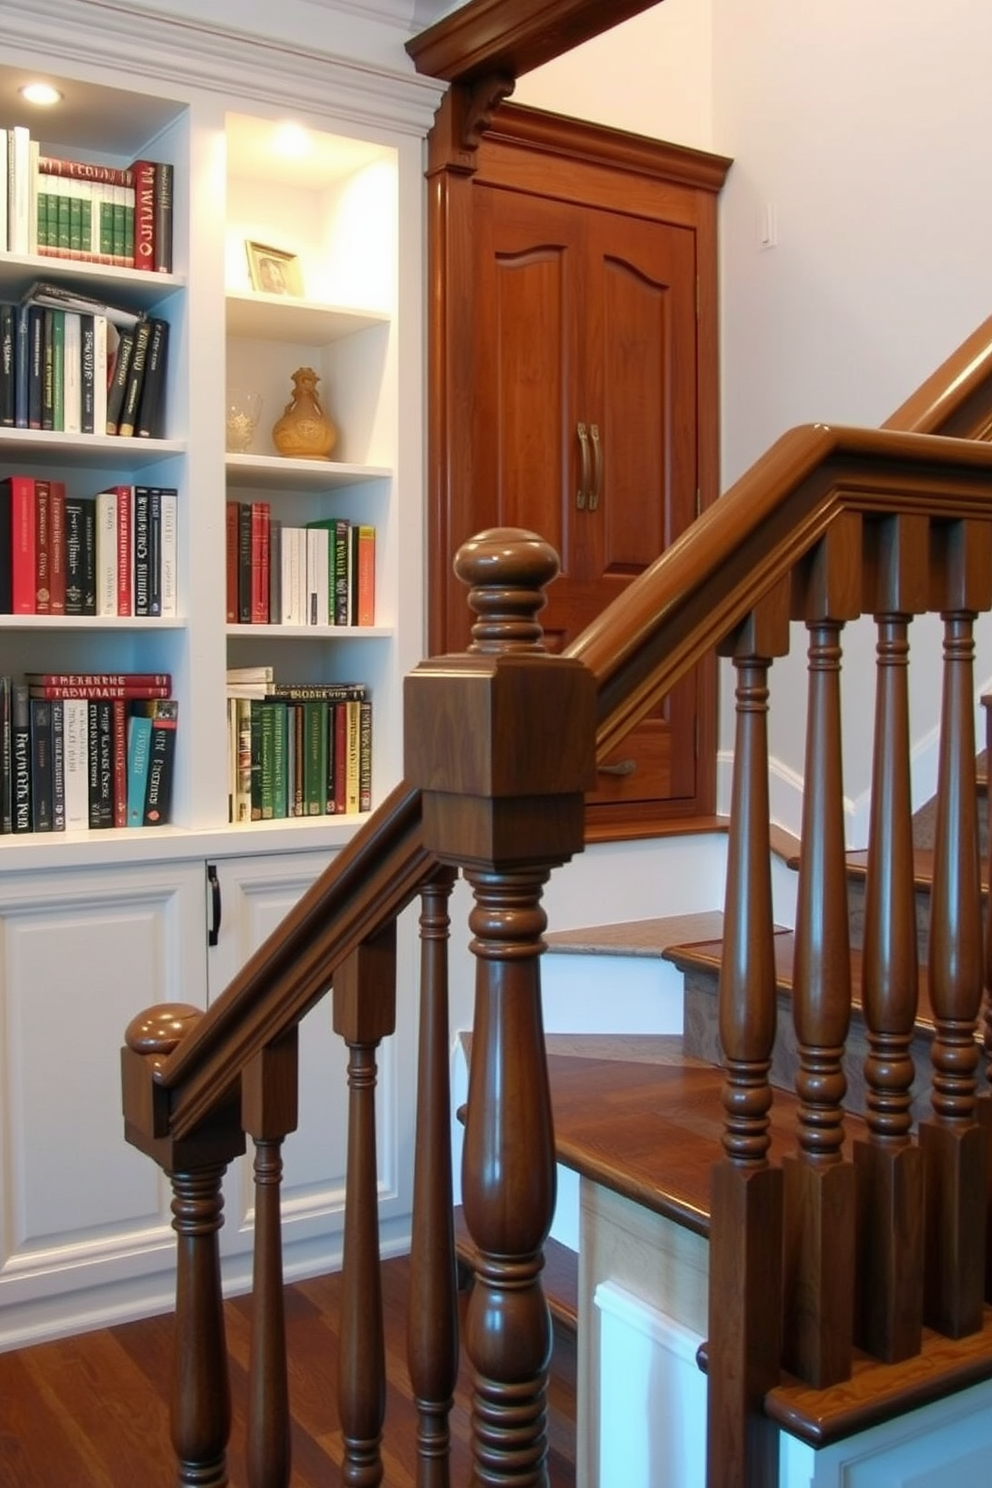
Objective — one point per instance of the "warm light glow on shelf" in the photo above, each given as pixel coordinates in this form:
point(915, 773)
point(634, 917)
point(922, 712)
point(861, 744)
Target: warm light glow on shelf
point(42, 94)
point(291, 140)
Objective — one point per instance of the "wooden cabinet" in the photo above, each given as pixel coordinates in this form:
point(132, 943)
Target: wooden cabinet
point(575, 338)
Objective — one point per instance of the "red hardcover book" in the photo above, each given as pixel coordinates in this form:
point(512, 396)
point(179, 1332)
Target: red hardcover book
point(125, 550)
point(119, 746)
point(100, 692)
point(144, 213)
point(365, 575)
point(260, 516)
point(340, 758)
point(231, 561)
point(22, 535)
point(83, 170)
point(99, 679)
point(42, 547)
point(57, 546)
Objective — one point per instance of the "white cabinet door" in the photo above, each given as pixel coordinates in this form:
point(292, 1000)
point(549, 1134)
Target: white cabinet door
point(85, 1223)
point(255, 894)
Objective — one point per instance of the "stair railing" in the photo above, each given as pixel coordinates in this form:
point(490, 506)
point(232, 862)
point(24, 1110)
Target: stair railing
point(500, 746)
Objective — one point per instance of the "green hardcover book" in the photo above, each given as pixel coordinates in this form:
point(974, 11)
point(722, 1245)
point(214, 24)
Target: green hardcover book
point(58, 369)
point(267, 750)
point(315, 758)
point(280, 759)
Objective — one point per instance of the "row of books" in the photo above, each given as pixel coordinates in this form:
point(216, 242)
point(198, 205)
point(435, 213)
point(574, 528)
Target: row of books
point(111, 554)
point(71, 363)
point(81, 751)
point(319, 574)
point(81, 209)
point(297, 749)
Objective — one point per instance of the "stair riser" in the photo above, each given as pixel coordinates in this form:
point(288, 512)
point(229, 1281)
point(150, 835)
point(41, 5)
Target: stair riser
point(701, 1038)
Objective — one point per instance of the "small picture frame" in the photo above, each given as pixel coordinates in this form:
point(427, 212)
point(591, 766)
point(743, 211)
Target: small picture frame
point(273, 270)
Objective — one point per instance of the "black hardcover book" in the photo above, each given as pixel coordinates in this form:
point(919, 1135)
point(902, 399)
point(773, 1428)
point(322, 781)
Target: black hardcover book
point(117, 386)
point(41, 764)
point(87, 374)
point(22, 360)
point(155, 550)
point(20, 748)
point(142, 584)
point(161, 763)
point(150, 423)
point(89, 555)
point(135, 379)
point(7, 368)
point(58, 766)
point(101, 747)
point(6, 758)
point(162, 233)
point(36, 364)
point(48, 369)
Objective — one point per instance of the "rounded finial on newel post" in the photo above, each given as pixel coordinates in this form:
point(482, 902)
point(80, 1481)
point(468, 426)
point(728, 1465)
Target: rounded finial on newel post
point(507, 570)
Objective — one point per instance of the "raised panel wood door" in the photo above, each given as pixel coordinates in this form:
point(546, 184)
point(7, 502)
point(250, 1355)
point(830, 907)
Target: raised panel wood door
point(585, 401)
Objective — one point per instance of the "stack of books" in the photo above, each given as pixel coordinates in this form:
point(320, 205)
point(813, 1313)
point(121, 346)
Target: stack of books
point(75, 364)
point(111, 554)
point(296, 749)
point(83, 751)
point(320, 574)
point(81, 209)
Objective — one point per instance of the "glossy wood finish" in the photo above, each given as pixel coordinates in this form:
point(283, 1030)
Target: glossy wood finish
point(511, 37)
point(364, 997)
point(92, 1411)
point(889, 1309)
point(953, 1143)
point(573, 390)
point(432, 1331)
point(269, 1114)
point(745, 1282)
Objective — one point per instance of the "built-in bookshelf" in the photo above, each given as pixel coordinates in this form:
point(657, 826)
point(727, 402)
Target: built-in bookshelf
point(330, 216)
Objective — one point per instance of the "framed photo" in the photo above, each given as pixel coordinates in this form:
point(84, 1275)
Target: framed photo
point(273, 270)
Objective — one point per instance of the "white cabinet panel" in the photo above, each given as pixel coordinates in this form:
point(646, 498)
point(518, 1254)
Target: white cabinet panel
point(80, 954)
point(255, 895)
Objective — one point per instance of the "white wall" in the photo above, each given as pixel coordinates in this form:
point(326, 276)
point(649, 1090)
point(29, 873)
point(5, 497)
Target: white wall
point(868, 132)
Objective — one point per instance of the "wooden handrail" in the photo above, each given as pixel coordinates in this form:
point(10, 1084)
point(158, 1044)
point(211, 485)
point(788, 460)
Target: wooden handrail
point(707, 581)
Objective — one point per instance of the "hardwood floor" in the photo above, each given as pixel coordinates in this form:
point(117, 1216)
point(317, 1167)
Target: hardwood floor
point(92, 1411)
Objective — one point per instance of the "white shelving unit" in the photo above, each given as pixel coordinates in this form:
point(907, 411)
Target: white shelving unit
point(96, 925)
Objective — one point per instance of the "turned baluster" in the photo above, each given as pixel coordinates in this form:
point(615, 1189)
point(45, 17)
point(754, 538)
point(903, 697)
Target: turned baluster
point(364, 998)
point(952, 1140)
point(501, 743)
point(819, 1183)
point(201, 1405)
point(269, 1113)
point(889, 1164)
point(432, 1334)
point(745, 1293)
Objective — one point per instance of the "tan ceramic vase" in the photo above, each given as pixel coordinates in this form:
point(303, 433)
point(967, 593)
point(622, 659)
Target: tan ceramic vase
point(304, 432)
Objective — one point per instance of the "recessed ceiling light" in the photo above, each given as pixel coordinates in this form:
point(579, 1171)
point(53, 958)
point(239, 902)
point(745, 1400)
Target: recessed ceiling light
point(43, 94)
point(291, 140)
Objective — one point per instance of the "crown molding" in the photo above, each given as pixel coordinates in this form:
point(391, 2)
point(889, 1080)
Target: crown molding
point(203, 55)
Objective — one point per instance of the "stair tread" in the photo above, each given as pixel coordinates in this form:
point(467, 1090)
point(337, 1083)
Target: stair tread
point(637, 937)
point(706, 955)
point(651, 1130)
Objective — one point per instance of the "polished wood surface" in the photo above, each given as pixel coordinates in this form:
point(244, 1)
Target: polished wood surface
point(573, 390)
point(512, 36)
point(92, 1411)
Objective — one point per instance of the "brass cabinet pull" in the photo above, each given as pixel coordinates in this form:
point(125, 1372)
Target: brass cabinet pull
point(583, 491)
point(597, 459)
point(621, 767)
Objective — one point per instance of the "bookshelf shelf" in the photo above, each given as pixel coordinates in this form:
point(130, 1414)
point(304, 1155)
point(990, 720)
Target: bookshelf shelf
point(131, 624)
point(89, 451)
point(131, 288)
point(266, 317)
point(312, 632)
point(275, 473)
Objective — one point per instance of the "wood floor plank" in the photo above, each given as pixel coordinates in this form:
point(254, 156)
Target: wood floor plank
point(92, 1411)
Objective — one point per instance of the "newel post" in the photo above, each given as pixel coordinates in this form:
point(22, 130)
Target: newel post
point(501, 742)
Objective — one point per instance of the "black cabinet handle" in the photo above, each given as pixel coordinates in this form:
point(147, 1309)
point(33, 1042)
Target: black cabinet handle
point(213, 931)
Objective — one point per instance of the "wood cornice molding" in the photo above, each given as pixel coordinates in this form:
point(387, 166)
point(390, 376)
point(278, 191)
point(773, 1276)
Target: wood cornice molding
point(512, 37)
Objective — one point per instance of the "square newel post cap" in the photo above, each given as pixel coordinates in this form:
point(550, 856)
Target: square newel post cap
point(501, 740)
